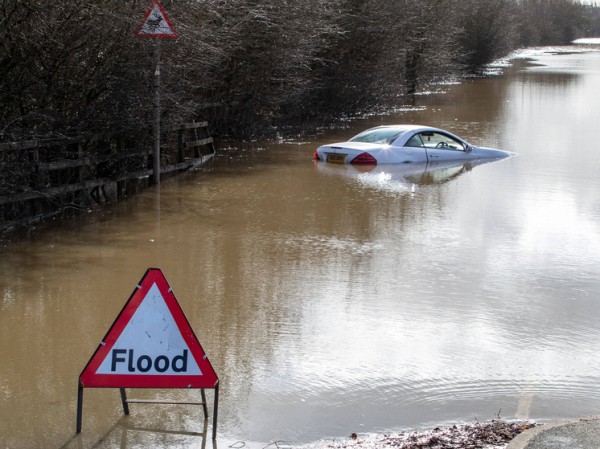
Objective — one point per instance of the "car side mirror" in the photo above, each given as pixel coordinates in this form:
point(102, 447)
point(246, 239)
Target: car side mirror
point(468, 148)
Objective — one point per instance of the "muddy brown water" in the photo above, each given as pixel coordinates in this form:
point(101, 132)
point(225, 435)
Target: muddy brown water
point(333, 301)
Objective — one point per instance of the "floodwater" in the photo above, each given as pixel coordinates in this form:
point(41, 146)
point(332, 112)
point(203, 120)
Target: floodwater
point(330, 300)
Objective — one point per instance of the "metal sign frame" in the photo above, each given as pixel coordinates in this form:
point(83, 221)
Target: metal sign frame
point(154, 299)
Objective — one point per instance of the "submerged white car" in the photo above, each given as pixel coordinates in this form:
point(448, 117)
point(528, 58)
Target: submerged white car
point(400, 144)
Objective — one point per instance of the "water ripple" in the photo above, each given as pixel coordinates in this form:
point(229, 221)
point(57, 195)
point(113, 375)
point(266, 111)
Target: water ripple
point(331, 243)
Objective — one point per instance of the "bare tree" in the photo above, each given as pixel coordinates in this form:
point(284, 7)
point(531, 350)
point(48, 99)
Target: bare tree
point(550, 22)
point(74, 66)
point(488, 31)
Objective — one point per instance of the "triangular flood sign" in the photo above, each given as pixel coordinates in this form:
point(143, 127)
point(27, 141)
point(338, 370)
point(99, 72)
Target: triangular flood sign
point(156, 23)
point(150, 344)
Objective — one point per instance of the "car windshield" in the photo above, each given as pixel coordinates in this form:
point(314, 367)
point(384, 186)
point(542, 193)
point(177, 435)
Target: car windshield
point(378, 135)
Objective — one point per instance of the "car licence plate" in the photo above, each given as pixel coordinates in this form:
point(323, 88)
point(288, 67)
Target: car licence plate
point(336, 158)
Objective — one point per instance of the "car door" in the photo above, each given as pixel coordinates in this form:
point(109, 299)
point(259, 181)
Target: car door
point(414, 150)
point(443, 147)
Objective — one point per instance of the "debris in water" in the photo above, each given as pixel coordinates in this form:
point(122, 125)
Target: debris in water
point(491, 435)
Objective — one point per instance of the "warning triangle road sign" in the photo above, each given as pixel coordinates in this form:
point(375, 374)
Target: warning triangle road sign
point(150, 344)
point(156, 23)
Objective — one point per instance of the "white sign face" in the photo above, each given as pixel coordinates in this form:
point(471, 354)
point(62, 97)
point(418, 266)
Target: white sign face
point(150, 344)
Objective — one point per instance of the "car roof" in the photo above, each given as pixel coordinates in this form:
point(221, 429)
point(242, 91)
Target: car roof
point(405, 127)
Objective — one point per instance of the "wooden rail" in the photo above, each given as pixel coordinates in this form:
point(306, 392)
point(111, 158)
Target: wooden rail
point(39, 178)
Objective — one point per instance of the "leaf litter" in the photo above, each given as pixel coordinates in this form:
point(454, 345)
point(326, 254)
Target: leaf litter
point(495, 434)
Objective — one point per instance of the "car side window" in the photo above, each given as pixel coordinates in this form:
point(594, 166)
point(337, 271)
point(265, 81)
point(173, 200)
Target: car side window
point(441, 141)
point(415, 141)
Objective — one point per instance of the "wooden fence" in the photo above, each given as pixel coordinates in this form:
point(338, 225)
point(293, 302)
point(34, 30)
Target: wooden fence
point(41, 178)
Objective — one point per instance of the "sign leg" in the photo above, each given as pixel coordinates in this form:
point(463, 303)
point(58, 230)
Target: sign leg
point(79, 408)
point(204, 405)
point(215, 414)
point(124, 401)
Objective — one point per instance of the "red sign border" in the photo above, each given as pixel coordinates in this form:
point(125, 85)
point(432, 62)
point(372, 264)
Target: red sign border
point(137, 33)
point(90, 379)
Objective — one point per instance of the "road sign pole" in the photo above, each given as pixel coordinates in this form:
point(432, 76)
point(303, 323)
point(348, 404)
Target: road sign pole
point(157, 25)
point(156, 124)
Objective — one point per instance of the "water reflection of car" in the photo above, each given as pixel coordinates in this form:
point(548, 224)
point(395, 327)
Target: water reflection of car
point(402, 177)
point(398, 144)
